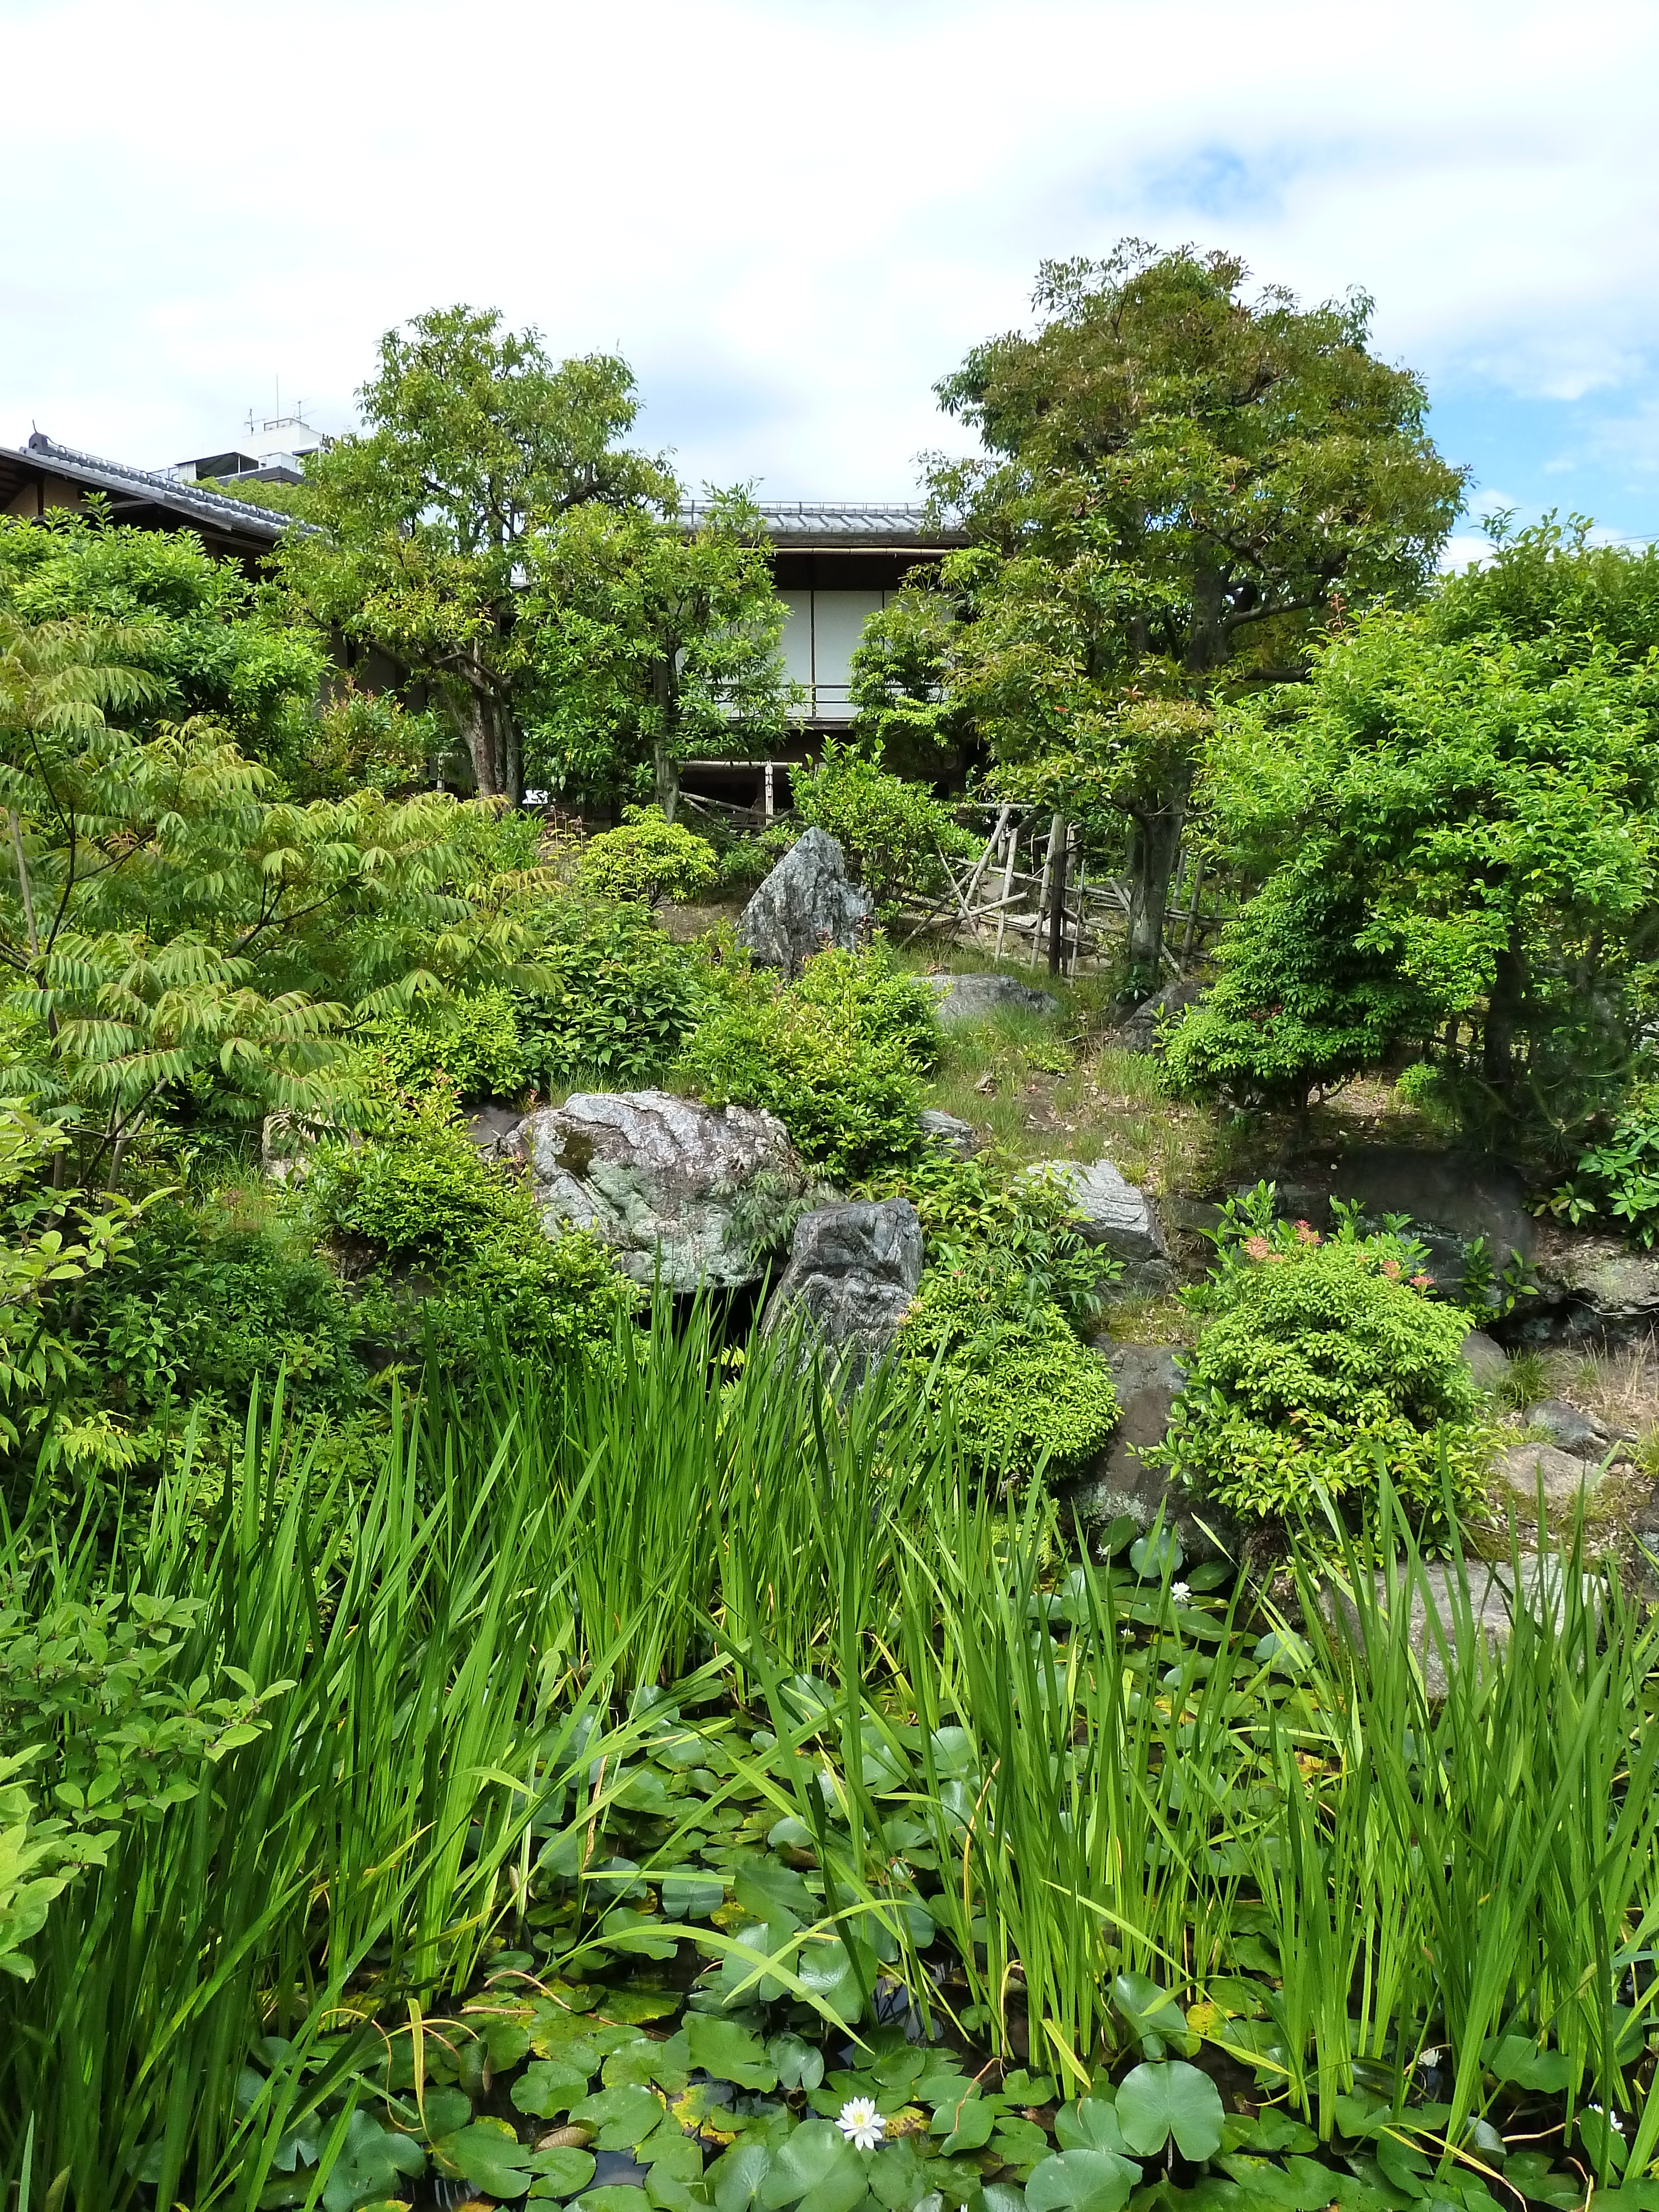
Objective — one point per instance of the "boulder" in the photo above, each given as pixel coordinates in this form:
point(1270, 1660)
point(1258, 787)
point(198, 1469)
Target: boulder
point(1591, 1288)
point(1487, 1588)
point(808, 902)
point(1570, 1429)
point(853, 1271)
point(1120, 1218)
point(957, 1136)
point(977, 998)
point(1487, 1361)
point(1138, 1031)
point(656, 1176)
point(1120, 1486)
point(1453, 1198)
point(1566, 1479)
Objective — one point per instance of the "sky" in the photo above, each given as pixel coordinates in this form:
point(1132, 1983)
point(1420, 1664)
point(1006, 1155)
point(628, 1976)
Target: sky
point(793, 216)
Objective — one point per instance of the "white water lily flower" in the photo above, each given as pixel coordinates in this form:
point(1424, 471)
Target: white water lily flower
point(1428, 2057)
point(1180, 1592)
point(861, 2124)
point(1611, 2119)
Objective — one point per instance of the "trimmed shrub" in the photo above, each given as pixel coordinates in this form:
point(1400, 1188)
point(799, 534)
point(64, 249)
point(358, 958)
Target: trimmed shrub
point(647, 859)
point(1023, 1390)
point(1324, 1360)
point(473, 1043)
point(838, 1055)
point(618, 998)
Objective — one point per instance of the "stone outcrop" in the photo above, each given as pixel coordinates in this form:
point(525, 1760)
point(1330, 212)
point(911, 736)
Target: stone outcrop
point(947, 1129)
point(655, 1177)
point(1566, 1477)
point(1434, 1599)
point(1486, 1360)
point(1120, 1218)
point(853, 1271)
point(808, 902)
point(1590, 1289)
point(1120, 1487)
point(977, 998)
point(1138, 1031)
point(1453, 1198)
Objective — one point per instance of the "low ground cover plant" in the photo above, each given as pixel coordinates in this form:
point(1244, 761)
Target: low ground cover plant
point(1323, 1362)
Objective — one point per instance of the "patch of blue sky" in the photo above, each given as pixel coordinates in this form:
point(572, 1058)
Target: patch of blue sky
point(1597, 456)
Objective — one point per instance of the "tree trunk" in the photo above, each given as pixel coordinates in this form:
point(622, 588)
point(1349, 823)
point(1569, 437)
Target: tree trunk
point(1504, 1009)
point(1057, 904)
point(512, 761)
point(1206, 640)
point(664, 768)
point(1157, 848)
point(480, 732)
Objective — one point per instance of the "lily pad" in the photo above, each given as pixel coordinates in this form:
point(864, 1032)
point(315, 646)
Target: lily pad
point(1159, 2100)
point(727, 2050)
point(1090, 2124)
point(623, 2116)
point(547, 2087)
point(1081, 2181)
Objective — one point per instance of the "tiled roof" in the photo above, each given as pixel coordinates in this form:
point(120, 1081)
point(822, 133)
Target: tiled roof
point(153, 486)
point(837, 521)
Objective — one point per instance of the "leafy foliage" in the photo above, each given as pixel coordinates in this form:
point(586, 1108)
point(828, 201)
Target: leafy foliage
point(893, 832)
point(1022, 1390)
point(1617, 1176)
point(838, 1055)
point(647, 859)
point(612, 999)
point(1324, 1367)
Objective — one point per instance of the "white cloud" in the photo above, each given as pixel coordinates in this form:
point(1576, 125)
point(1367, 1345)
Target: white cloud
point(793, 215)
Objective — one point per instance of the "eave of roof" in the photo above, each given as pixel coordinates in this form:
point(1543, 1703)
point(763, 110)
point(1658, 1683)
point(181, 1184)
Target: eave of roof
point(236, 518)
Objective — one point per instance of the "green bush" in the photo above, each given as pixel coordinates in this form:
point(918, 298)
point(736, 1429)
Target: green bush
point(647, 859)
point(1617, 1177)
point(1023, 1391)
point(989, 1204)
point(1323, 1360)
point(1299, 1004)
point(893, 832)
point(424, 1197)
point(618, 998)
point(472, 1042)
point(838, 1055)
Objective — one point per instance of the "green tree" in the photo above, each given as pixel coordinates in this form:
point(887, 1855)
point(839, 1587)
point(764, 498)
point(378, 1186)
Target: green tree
point(1178, 483)
point(164, 913)
point(475, 442)
point(653, 642)
point(1475, 818)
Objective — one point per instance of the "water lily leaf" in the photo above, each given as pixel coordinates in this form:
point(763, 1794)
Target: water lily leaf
point(614, 2196)
point(1081, 2181)
point(636, 1933)
point(968, 2123)
point(649, 2061)
point(774, 1891)
point(896, 2177)
point(1171, 2098)
point(1149, 2012)
point(636, 2004)
point(561, 2170)
point(1271, 2129)
point(490, 2156)
point(1517, 2058)
point(645, 1791)
point(737, 2175)
point(670, 2153)
point(546, 2088)
point(688, 1894)
point(826, 1969)
point(955, 1756)
point(370, 2161)
point(1153, 1555)
point(818, 2168)
point(1090, 2124)
point(1301, 2185)
point(623, 2116)
point(727, 2050)
point(790, 1833)
point(1600, 2139)
point(799, 2064)
point(1529, 2171)
point(1019, 2142)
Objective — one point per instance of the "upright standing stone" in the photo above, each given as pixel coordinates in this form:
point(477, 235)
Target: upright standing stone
point(852, 1270)
point(807, 903)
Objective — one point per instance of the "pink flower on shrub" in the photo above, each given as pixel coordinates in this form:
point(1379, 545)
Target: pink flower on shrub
point(1306, 1233)
point(1257, 1246)
point(1391, 1269)
point(1422, 1282)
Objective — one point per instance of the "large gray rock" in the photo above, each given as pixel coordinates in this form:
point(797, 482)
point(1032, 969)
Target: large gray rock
point(493, 1129)
point(1487, 1361)
point(853, 1271)
point(1453, 1198)
point(1140, 1031)
point(656, 1176)
point(1120, 1218)
point(1565, 1477)
point(1569, 1429)
point(1440, 1595)
point(956, 1135)
point(807, 903)
point(1122, 1486)
point(978, 997)
point(1592, 1288)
